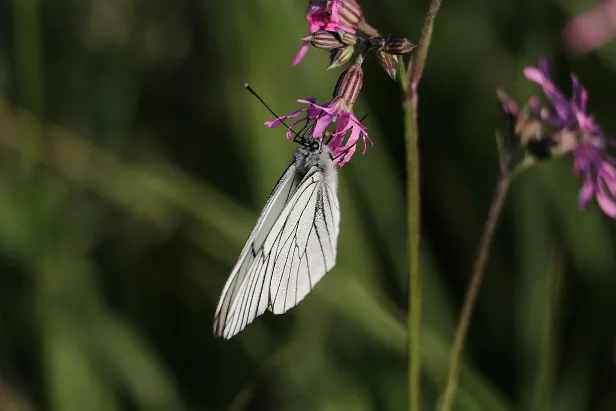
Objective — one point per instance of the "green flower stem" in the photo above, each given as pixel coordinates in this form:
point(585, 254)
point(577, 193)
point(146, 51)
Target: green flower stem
point(544, 383)
point(417, 63)
point(368, 29)
point(30, 79)
point(28, 60)
point(410, 80)
point(414, 227)
point(485, 244)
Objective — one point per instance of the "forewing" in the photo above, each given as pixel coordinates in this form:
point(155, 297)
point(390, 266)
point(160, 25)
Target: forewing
point(304, 242)
point(238, 304)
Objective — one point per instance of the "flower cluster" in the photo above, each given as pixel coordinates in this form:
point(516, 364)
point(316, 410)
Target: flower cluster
point(331, 15)
point(338, 111)
point(565, 126)
point(333, 25)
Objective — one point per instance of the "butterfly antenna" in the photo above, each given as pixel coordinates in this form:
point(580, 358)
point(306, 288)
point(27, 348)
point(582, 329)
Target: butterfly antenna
point(298, 135)
point(254, 93)
point(306, 128)
point(363, 118)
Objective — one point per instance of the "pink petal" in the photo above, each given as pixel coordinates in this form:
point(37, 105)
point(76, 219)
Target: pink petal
point(279, 120)
point(586, 193)
point(321, 125)
point(541, 77)
point(317, 22)
point(580, 95)
point(544, 66)
point(342, 123)
point(335, 11)
point(336, 141)
point(608, 171)
point(290, 129)
point(533, 74)
point(344, 158)
point(301, 53)
point(361, 130)
point(312, 102)
point(607, 204)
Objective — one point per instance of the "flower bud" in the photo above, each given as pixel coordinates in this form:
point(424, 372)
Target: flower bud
point(508, 108)
point(398, 45)
point(541, 149)
point(348, 39)
point(324, 40)
point(388, 62)
point(350, 13)
point(350, 83)
point(331, 40)
point(376, 42)
point(340, 56)
point(527, 128)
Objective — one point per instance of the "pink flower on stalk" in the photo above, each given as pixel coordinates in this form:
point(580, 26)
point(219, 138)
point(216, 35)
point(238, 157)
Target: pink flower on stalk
point(597, 168)
point(330, 15)
point(338, 111)
point(568, 117)
point(593, 29)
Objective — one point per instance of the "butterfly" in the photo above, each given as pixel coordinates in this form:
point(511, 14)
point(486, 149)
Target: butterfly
point(292, 245)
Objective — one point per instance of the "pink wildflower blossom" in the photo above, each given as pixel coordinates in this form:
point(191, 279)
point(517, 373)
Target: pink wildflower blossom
point(593, 29)
point(348, 129)
point(328, 15)
point(567, 117)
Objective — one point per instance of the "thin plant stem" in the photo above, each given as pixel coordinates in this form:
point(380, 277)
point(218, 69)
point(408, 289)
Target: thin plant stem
point(28, 52)
point(485, 245)
point(368, 29)
point(414, 227)
point(417, 64)
point(30, 88)
point(410, 81)
point(544, 382)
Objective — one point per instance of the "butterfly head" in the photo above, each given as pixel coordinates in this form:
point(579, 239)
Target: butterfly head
point(309, 143)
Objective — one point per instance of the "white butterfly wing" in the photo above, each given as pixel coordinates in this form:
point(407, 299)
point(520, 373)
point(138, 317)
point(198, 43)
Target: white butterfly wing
point(305, 248)
point(292, 246)
point(247, 262)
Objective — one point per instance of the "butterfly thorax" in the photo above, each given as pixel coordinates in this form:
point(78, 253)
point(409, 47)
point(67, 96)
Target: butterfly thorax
point(311, 155)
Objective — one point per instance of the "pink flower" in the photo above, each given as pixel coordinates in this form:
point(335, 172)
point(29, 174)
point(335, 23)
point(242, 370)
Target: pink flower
point(348, 129)
point(335, 111)
point(576, 131)
point(569, 113)
point(592, 29)
point(597, 168)
point(323, 15)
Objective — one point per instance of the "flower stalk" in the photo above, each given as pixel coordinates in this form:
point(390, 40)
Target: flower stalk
point(483, 251)
point(416, 64)
point(414, 228)
point(410, 85)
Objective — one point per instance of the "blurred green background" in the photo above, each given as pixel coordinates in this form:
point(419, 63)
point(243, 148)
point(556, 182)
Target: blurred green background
point(134, 164)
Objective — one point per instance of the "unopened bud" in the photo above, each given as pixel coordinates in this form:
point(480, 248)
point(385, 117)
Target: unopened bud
point(376, 42)
point(527, 128)
point(350, 83)
point(324, 40)
point(340, 56)
point(541, 149)
point(348, 39)
point(350, 13)
point(508, 108)
point(398, 45)
point(389, 64)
